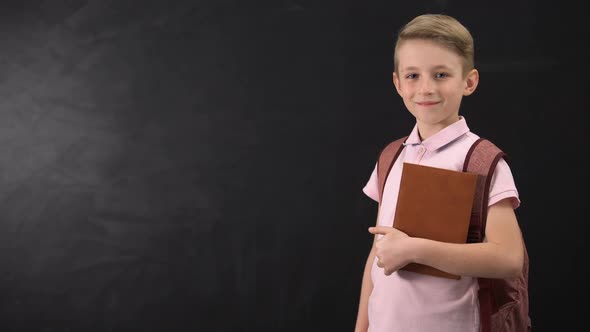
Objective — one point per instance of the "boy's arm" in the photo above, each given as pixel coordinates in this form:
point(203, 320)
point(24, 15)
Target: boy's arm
point(501, 254)
point(362, 318)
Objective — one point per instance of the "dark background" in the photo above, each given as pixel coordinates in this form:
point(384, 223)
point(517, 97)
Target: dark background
point(197, 166)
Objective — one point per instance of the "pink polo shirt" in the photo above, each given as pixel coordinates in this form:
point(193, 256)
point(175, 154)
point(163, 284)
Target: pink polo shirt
point(406, 301)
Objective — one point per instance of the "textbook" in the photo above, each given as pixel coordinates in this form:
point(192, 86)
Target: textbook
point(436, 204)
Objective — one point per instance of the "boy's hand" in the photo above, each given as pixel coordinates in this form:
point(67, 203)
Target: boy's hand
point(391, 250)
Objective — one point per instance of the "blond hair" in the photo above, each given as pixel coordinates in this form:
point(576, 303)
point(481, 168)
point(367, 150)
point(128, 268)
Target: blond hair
point(443, 30)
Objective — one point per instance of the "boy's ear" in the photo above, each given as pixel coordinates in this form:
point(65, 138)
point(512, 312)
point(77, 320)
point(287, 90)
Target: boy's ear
point(396, 83)
point(471, 81)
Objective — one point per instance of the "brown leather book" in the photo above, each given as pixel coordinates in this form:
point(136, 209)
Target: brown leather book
point(434, 203)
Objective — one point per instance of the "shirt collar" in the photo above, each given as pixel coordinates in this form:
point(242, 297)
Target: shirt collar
point(440, 139)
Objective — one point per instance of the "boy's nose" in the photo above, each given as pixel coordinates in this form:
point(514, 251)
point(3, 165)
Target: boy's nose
point(426, 87)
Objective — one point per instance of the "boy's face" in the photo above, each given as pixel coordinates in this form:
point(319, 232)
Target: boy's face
point(431, 82)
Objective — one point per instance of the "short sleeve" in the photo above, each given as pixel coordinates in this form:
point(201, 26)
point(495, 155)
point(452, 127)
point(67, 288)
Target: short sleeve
point(502, 185)
point(371, 189)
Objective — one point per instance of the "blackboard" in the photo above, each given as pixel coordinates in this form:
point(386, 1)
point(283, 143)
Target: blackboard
point(198, 165)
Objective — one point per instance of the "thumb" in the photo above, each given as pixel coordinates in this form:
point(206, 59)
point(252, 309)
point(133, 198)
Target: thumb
point(380, 230)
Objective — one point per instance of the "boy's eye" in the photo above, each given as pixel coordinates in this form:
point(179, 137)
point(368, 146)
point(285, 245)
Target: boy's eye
point(441, 75)
point(411, 76)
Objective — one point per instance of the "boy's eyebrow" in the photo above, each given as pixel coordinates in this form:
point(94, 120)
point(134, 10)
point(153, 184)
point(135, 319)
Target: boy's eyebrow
point(437, 67)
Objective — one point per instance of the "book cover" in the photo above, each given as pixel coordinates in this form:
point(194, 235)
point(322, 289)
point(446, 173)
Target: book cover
point(434, 203)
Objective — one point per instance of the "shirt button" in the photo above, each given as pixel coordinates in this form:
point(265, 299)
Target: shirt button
point(421, 150)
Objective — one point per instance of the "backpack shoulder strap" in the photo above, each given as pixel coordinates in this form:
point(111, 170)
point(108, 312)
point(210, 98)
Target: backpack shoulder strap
point(482, 158)
point(386, 160)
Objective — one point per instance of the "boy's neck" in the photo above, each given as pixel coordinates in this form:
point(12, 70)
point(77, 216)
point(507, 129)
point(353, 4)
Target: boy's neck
point(427, 130)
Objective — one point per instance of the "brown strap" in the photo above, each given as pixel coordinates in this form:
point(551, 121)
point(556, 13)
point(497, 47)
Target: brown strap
point(485, 304)
point(482, 158)
point(386, 160)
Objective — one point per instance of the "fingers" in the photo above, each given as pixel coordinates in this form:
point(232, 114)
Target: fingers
point(380, 230)
point(383, 230)
point(387, 272)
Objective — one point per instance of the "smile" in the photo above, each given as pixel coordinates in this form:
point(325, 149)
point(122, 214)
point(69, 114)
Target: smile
point(427, 103)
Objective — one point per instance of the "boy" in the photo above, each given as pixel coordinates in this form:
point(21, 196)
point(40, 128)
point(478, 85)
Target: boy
point(433, 70)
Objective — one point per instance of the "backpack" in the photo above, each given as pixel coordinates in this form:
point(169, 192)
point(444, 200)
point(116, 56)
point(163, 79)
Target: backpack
point(503, 303)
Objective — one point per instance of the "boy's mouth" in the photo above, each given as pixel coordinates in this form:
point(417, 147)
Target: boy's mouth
point(427, 103)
